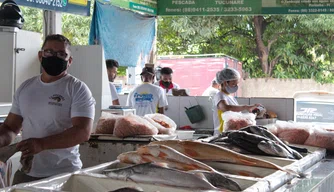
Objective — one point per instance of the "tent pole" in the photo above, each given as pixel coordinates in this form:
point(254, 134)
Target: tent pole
point(52, 23)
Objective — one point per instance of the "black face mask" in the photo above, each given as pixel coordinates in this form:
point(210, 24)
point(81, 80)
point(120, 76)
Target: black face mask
point(54, 65)
point(166, 84)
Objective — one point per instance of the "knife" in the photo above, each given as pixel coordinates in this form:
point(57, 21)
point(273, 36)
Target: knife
point(7, 151)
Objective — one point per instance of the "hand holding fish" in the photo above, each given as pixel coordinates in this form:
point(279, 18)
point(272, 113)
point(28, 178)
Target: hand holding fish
point(30, 147)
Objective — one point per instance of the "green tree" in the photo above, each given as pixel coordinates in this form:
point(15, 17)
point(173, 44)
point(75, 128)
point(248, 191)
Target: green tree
point(276, 46)
point(74, 27)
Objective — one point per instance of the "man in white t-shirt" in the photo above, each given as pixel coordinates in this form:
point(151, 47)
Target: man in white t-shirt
point(55, 112)
point(166, 81)
point(212, 90)
point(147, 98)
point(112, 66)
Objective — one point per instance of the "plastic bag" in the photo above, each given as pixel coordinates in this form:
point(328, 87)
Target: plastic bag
point(319, 137)
point(164, 124)
point(295, 133)
point(237, 120)
point(106, 123)
point(132, 125)
point(272, 128)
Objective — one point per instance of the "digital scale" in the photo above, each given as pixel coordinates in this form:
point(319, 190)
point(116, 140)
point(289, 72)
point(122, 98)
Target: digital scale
point(120, 110)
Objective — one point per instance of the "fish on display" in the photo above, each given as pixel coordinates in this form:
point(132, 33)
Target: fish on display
point(128, 189)
point(264, 132)
point(249, 146)
point(255, 139)
point(274, 149)
point(210, 152)
point(219, 180)
point(233, 147)
point(299, 149)
point(170, 154)
point(133, 157)
point(154, 174)
point(247, 141)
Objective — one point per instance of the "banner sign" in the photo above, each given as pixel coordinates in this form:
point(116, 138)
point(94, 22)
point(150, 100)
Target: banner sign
point(145, 6)
point(244, 7)
point(311, 111)
point(79, 7)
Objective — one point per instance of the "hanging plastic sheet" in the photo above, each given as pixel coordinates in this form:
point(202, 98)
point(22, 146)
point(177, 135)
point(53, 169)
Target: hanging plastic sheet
point(125, 35)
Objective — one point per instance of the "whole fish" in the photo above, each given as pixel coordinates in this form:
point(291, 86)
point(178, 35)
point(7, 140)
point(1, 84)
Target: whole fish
point(223, 139)
point(170, 154)
point(298, 149)
point(268, 134)
point(248, 146)
point(274, 149)
point(153, 174)
point(131, 157)
point(252, 138)
point(134, 158)
point(233, 147)
point(210, 152)
point(128, 189)
point(219, 180)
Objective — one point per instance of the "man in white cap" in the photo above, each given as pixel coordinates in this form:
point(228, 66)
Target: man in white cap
point(212, 90)
point(147, 98)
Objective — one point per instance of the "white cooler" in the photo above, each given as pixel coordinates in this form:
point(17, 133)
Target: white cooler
point(314, 107)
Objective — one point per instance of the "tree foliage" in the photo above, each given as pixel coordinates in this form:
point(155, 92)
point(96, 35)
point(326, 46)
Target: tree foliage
point(279, 46)
point(75, 27)
point(276, 46)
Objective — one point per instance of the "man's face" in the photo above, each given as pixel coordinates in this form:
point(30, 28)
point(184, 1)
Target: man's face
point(57, 48)
point(166, 78)
point(112, 73)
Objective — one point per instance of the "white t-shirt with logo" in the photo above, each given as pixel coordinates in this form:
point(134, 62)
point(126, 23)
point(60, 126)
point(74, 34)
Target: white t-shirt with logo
point(147, 98)
point(113, 91)
point(168, 91)
point(217, 114)
point(47, 109)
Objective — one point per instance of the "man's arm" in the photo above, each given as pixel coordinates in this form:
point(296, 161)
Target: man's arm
point(9, 129)
point(79, 133)
point(162, 103)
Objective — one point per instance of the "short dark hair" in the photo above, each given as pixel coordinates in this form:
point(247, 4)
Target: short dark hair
point(166, 71)
point(111, 63)
point(57, 37)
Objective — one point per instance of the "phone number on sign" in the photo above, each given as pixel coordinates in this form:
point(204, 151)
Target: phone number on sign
point(217, 9)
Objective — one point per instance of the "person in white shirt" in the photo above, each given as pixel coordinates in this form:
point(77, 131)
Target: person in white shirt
point(147, 98)
point(55, 113)
point(112, 66)
point(212, 90)
point(224, 101)
point(166, 82)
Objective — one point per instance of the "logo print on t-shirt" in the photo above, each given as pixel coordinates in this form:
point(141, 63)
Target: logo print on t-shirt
point(56, 100)
point(143, 99)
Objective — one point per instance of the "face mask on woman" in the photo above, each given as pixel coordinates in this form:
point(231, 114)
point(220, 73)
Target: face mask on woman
point(230, 89)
